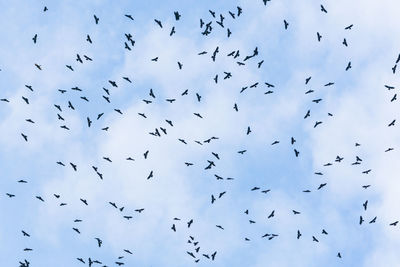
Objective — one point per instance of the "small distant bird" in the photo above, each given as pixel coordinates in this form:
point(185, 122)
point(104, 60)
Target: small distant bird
point(286, 24)
point(96, 19)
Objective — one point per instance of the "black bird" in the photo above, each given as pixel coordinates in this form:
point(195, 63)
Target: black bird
point(129, 17)
point(307, 114)
point(348, 66)
point(373, 220)
point(84, 201)
point(317, 123)
point(248, 130)
point(286, 24)
point(314, 239)
point(272, 214)
point(319, 36)
point(296, 152)
point(361, 220)
point(99, 241)
point(73, 166)
point(394, 223)
point(150, 175)
point(78, 58)
point(158, 22)
point(298, 234)
point(26, 100)
point(25, 137)
point(323, 9)
point(25, 233)
point(349, 27)
point(89, 122)
point(177, 15)
point(365, 204)
point(392, 123)
point(321, 185)
point(96, 19)
point(344, 42)
point(34, 38)
point(113, 83)
point(88, 38)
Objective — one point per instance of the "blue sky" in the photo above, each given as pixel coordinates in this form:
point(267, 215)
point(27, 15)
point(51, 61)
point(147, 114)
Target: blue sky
point(360, 104)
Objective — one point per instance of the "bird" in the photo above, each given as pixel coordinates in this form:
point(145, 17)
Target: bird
point(348, 66)
point(286, 24)
point(158, 22)
point(248, 130)
point(99, 241)
point(34, 38)
point(323, 9)
point(272, 214)
point(25, 233)
point(298, 234)
point(365, 204)
point(319, 36)
point(321, 186)
point(129, 17)
point(348, 27)
point(25, 137)
point(177, 15)
point(96, 19)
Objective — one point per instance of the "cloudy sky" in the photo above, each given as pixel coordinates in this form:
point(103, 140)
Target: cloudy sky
point(243, 93)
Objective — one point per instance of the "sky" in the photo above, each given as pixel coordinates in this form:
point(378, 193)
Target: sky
point(195, 157)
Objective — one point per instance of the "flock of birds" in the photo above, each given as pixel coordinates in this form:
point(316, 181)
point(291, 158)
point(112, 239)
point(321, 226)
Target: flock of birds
point(207, 27)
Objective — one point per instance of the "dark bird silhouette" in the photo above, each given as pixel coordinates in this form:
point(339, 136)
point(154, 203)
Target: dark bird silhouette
point(272, 214)
point(99, 241)
point(177, 15)
point(73, 166)
point(319, 36)
point(25, 233)
point(96, 19)
point(349, 27)
point(323, 9)
point(129, 17)
point(298, 234)
point(321, 186)
point(373, 220)
point(88, 38)
point(365, 204)
point(361, 220)
point(34, 38)
point(392, 123)
point(348, 66)
point(286, 24)
point(25, 137)
point(158, 22)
